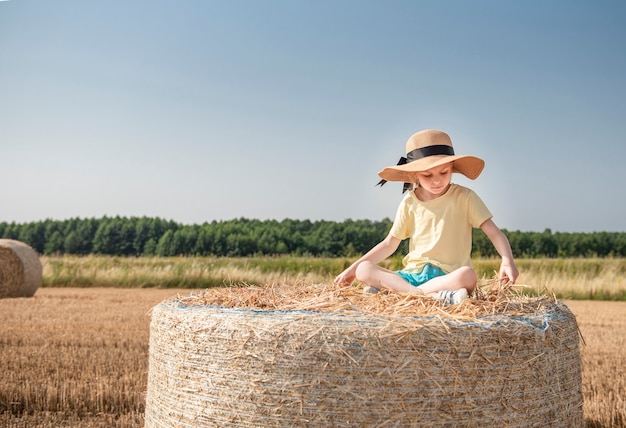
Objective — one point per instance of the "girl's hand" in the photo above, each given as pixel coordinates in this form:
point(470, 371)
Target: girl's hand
point(346, 277)
point(508, 272)
point(380, 252)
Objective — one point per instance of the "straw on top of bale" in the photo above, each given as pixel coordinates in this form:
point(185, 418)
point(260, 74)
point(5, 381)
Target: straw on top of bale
point(491, 297)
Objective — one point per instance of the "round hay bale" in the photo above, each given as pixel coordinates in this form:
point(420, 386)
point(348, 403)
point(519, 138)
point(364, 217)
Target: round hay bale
point(212, 365)
point(20, 269)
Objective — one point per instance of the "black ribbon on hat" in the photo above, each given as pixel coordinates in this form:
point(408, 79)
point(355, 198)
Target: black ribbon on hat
point(420, 153)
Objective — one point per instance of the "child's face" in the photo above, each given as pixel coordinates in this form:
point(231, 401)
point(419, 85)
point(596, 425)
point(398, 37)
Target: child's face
point(435, 180)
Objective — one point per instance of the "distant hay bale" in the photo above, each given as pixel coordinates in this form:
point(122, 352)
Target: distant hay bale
point(20, 269)
point(310, 356)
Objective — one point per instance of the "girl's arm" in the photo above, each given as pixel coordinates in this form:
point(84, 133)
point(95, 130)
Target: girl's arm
point(508, 269)
point(378, 253)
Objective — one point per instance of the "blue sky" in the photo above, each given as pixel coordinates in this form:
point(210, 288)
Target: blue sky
point(211, 110)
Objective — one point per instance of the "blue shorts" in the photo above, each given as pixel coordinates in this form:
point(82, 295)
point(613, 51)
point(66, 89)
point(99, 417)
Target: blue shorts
point(418, 278)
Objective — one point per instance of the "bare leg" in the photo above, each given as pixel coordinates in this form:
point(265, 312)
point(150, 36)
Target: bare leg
point(378, 277)
point(463, 277)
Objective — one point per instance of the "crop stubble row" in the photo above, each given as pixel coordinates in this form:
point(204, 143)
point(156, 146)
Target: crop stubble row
point(78, 357)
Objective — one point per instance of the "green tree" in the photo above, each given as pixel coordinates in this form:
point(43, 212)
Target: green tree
point(33, 234)
point(54, 244)
point(164, 247)
point(150, 247)
point(113, 237)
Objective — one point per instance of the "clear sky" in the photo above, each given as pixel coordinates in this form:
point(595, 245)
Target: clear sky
point(196, 111)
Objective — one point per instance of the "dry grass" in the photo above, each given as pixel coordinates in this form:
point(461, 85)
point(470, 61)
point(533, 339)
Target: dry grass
point(491, 297)
point(584, 279)
point(78, 358)
point(183, 272)
point(573, 278)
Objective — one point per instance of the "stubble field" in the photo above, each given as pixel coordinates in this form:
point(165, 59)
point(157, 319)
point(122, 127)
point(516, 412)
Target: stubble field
point(78, 357)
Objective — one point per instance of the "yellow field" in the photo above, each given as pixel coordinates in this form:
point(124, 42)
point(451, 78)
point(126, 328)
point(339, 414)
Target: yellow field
point(580, 278)
point(603, 327)
point(75, 357)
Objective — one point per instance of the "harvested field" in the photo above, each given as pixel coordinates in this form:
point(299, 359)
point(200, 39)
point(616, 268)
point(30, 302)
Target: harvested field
point(603, 326)
point(76, 357)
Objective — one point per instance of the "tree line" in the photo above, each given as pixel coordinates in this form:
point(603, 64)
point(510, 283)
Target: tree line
point(148, 236)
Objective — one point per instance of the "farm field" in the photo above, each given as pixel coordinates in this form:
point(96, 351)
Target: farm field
point(78, 357)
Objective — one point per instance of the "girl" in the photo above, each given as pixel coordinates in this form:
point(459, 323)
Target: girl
point(437, 216)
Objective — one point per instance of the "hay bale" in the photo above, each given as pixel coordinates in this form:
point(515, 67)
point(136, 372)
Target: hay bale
point(213, 365)
point(20, 269)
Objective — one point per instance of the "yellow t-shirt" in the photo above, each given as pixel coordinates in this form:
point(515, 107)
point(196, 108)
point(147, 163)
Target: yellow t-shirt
point(440, 230)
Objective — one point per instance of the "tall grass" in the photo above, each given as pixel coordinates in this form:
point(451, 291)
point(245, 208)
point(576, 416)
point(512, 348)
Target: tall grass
point(580, 278)
point(184, 272)
point(572, 278)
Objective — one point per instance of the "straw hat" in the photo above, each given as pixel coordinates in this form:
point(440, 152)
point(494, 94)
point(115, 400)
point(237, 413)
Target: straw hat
point(428, 149)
